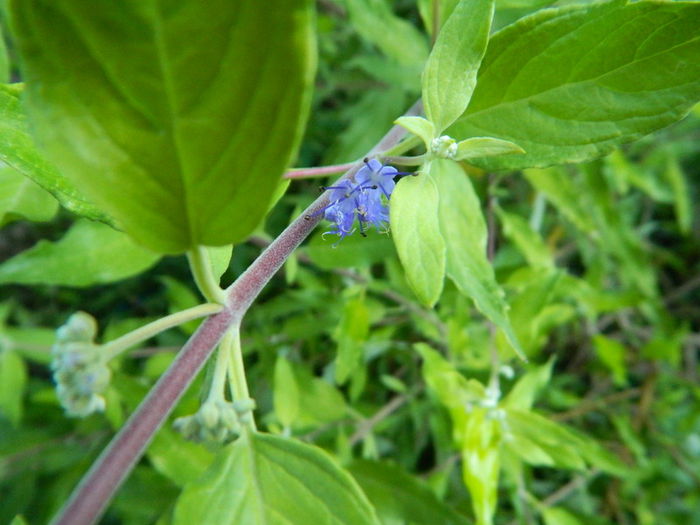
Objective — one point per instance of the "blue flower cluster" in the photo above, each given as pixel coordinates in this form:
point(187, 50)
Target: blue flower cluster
point(362, 199)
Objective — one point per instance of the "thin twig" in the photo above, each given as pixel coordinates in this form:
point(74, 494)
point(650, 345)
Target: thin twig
point(321, 171)
point(380, 415)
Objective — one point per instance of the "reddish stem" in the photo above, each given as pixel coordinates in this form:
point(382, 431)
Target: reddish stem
point(322, 171)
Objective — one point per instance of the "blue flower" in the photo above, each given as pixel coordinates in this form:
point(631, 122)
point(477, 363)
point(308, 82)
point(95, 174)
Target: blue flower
point(362, 199)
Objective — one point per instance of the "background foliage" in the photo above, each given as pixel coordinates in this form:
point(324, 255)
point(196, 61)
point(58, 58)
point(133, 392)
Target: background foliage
point(599, 263)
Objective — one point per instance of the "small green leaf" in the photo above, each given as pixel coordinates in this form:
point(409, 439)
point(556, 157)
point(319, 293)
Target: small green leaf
point(179, 460)
point(269, 479)
point(397, 38)
point(559, 516)
point(220, 257)
point(418, 126)
point(453, 390)
point(286, 393)
point(180, 297)
point(464, 230)
point(485, 147)
point(682, 200)
point(401, 498)
point(90, 253)
point(19, 151)
point(524, 392)
point(449, 77)
point(319, 401)
point(528, 241)
point(415, 228)
point(612, 354)
point(351, 335)
point(481, 463)
point(4, 60)
point(13, 379)
point(22, 198)
point(559, 447)
point(559, 188)
point(570, 84)
point(161, 113)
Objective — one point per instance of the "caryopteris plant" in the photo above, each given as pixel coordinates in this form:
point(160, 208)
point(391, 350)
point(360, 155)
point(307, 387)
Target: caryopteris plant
point(494, 247)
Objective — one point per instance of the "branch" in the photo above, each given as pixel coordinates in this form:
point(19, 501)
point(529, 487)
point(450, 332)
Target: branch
point(90, 498)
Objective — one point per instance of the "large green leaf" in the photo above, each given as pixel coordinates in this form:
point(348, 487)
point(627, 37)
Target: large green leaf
point(177, 118)
point(416, 231)
point(400, 498)
point(266, 480)
point(450, 74)
point(464, 230)
point(569, 84)
point(90, 253)
point(19, 151)
point(20, 197)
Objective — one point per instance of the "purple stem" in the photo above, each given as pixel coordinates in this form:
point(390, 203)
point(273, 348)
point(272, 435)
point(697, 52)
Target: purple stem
point(307, 173)
point(90, 498)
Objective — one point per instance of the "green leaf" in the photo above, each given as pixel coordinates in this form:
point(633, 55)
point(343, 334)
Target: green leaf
point(418, 126)
point(397, 38)
point(13, 379)
point(220, 257)
point(4, 60)
point(559, 188)
point(612, 354)
point(485, 147)
point(401, 498)
point(21, 198)
point(161, 113)
point(464, 230)
point(524, 392)
point(528, 241)
point(286, 392)
point(682, 201)
point(351, 334)
point(481, 462)
point(90, 253)
point(559, 516)
point(179, 460)
point(354, 251)
point(415, 228)
point(180, 297)
point(319, 401)
point(453, 390)
point(19, 151)
point(268, 479)
point(449, 76)
point(570, 84)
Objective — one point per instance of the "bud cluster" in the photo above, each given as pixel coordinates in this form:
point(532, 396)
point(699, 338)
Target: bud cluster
point(79, 370)
point(216, 421)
